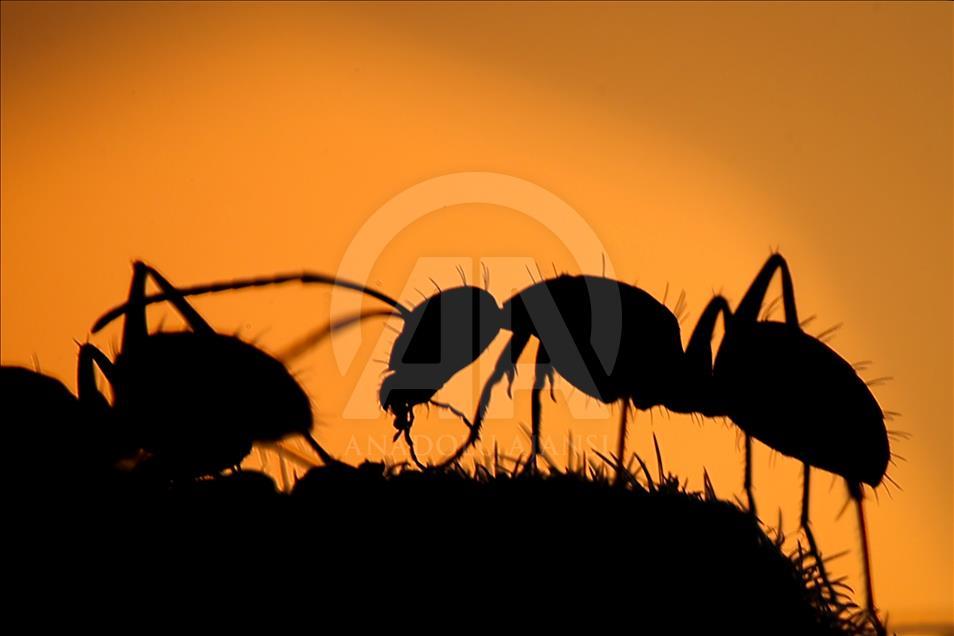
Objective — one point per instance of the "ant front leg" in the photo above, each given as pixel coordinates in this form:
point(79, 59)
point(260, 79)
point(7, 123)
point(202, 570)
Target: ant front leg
point(506, 366)
point(748, 309)
point(135, 330)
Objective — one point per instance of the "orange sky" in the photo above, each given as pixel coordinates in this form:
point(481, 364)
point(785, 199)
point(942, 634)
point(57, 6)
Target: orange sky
point(224, 140)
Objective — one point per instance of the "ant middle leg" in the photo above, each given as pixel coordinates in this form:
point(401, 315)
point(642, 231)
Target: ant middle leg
point(543, 371)
point(506, 366)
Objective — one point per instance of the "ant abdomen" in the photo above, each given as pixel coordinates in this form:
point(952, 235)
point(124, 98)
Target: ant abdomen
point(199, 401)
point(795, 394)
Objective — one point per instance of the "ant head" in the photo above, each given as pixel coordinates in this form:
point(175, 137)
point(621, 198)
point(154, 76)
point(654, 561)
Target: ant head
point(441, 336)
point(448, 330)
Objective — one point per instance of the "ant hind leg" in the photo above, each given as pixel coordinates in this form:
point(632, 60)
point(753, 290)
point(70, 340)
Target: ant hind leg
point(856, 492)
point(813, 546)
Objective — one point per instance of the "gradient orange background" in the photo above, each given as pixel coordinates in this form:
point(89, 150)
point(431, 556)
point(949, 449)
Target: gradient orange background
point(218, 141)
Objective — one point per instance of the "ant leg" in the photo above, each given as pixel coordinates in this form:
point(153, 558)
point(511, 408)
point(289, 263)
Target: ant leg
point(327, 458)
point(542, 372)
point(748, 475)
point(89, 358)
point(135, 330)
point(856, 492)
point(196, 322)
point(696, 395)
point(748, 309)
point(806, 526)
point(452, 409)
point(621, 444)
point(506, 366)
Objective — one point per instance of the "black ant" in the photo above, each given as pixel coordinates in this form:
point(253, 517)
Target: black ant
point(441, 335)
point(196, 400)
point(792, 392)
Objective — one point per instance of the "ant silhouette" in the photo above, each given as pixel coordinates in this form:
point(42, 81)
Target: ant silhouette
point(611, 340)
point(196, 400)
point(793, 393)
point(443, 334)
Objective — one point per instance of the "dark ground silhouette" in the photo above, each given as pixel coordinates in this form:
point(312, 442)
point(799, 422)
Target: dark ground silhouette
point(686, 561)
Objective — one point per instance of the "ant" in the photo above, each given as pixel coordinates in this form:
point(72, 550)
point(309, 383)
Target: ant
point(441, 335)
point(792, 392)
point(195, 400)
